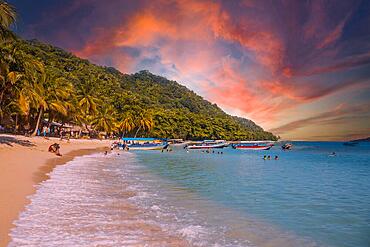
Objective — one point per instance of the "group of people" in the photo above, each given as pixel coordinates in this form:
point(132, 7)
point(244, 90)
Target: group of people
point(208, 151)
point(268, 157)
point(46, 131)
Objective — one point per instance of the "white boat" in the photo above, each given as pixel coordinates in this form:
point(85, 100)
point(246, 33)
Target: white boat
point(177, 142)
point(143, 144)
point(208, 144)
point(253, 145)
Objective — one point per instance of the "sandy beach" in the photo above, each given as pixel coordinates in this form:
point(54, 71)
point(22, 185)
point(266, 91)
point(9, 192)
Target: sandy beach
point(24, 162)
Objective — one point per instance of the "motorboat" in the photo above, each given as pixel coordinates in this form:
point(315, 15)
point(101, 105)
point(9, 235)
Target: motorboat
point(207, 144)
point(253, 145)
point(129, 143)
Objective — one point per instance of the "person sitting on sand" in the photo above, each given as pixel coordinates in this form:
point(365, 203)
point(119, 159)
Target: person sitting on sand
point(276, 157)
point(54, 148)
point(269, 157)
point(264, 157)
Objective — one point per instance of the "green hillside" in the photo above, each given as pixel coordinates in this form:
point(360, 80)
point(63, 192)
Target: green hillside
point(177, 112)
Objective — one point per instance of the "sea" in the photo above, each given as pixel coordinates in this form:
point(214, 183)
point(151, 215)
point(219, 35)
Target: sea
point(307, 197)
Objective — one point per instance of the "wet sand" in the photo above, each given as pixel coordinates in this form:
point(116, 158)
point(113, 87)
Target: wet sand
point(24, 162)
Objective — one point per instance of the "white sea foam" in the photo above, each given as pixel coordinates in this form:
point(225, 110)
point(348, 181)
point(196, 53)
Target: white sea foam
point(112, 200)
point(85, 203)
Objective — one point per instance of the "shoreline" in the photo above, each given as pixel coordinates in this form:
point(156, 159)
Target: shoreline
point(24, 163)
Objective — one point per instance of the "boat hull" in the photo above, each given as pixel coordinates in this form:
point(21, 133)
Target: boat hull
point(221, 145)
point(252, 147)
point(147, 147)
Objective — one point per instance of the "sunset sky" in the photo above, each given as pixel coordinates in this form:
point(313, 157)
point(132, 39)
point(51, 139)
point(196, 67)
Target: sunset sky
point(300, 69)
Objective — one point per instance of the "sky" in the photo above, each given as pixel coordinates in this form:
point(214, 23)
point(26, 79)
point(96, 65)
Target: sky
point(300, 69)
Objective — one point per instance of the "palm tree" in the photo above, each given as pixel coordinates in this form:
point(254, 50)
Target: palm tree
point(45, 93)
point(8, 80)
point(105, 120)
point(127, 125)
point(144, 121)
point(88, 103)
point(7, 18)
point(32, 95)
point(17, 70)
point(87, 99)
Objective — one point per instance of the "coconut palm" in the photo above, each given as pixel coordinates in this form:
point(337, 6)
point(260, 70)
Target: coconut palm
point(144, 121)
point(46, 94)
point(105, 120)
point(127, 124)
point(87, 99)
point(7, 18)
point(8, 79)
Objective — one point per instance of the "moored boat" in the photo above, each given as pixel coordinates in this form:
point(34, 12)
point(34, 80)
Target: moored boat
point(176, 142)
point(253, 145)
point(144, 143)
point(208, 144)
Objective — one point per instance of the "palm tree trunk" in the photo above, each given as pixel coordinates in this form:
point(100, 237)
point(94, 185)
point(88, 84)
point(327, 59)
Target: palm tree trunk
point(88, 130)
point(38, 121)
point(16, 123)
point(137, 131)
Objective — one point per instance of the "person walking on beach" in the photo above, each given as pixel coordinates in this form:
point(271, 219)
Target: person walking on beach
point(61, 134)
point(44, 129)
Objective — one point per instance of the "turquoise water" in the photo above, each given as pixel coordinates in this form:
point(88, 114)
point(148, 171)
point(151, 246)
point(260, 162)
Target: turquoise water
point(306, 194)
point(306, 198)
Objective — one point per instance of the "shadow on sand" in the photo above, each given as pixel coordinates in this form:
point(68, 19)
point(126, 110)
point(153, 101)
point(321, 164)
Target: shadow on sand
point(10, 140)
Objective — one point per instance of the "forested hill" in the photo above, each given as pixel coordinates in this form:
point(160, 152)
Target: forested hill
point(177, 111)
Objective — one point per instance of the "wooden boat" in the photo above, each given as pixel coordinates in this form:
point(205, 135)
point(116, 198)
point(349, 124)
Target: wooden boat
point(253, 145)
point(143, 143)
point(208, 144)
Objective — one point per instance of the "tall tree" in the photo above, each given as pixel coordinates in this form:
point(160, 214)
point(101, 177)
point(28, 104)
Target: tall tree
point(105, 120)
point(87, 102)
point(7, 18)
point(144, 121)
point(127, 124)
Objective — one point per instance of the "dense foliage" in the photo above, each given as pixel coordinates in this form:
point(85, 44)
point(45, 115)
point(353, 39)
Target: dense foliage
point(40, 81)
